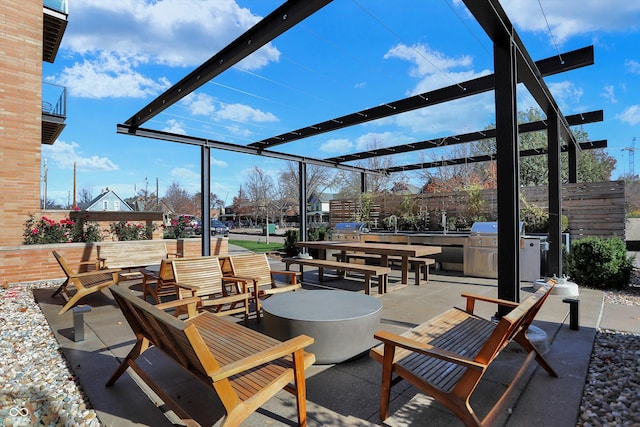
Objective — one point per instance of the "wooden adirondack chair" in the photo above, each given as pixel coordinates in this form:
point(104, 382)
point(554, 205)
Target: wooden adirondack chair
point(201, 277)
point(243, 367)
point(447, 356)
point(255, 269)
point(84, 283)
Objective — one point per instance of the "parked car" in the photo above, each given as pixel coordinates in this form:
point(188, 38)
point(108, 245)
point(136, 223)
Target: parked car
point(218, 228)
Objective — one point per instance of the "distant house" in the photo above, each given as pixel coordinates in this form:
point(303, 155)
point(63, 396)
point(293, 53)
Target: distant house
point(318, 209)
point(405, 188)
point(108, 200)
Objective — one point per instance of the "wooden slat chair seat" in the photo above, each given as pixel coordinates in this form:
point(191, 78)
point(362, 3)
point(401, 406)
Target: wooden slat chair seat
point(201, 277)
point(161, 284)
point(84, 283)
point(447, 356)
point(245, 368)
point(255, 269)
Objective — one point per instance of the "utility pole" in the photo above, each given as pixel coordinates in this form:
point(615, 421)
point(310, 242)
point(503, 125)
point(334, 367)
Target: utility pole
point(45, 185)
point(632, 162)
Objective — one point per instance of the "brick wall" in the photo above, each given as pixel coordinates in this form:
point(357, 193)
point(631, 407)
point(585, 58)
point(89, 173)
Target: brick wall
point(20, 115)
point(30, 263)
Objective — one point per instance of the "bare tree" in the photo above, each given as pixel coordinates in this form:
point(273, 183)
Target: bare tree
point(261, 192)
point(241, 205)
point(85, 195)
point(319, 178)
point(179, 200)
point(350, 181)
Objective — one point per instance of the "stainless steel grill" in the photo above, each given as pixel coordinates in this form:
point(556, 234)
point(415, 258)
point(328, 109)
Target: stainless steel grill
point(481, 250)
point(348, 230)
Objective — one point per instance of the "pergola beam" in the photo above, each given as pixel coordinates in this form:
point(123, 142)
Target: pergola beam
point(203, 142)
point(288, 15)
point(571, 60)
point(573, 120)
point(591, 145)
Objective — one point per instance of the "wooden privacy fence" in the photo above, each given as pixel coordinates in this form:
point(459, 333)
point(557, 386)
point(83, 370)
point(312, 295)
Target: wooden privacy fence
point(593, 209)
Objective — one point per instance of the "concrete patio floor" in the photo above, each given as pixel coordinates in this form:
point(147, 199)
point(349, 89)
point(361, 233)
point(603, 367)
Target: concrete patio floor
point(345, 394)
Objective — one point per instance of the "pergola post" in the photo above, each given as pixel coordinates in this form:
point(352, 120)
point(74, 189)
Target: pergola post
point(508, 171)
point(363, 182)
point(302, 190)
point(555, 196)
point(205, 185)
point(573, 163)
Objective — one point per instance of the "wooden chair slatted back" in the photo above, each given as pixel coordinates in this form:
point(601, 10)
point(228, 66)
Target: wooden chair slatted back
point(252, 266)
point(172, 336)
point(201, 272)
point(517, 320)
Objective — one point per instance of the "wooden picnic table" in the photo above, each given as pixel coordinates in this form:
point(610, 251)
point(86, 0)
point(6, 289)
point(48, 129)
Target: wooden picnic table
point(382, 249)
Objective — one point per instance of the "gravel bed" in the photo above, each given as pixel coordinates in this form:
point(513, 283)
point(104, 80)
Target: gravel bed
point(37, 387)
point(612, 391)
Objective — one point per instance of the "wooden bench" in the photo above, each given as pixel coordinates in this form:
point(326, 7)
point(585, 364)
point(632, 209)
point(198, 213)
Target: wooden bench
point(243, 367)
point(447, 356)
point(131, 256)
point(420, 265)
point(382, 273)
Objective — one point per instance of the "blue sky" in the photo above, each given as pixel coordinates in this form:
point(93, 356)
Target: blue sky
point(351, 55)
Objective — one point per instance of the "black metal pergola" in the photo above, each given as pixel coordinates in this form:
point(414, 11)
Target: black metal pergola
point(512, 65)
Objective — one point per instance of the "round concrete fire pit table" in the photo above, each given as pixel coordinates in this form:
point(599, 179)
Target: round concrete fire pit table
point(341, 323)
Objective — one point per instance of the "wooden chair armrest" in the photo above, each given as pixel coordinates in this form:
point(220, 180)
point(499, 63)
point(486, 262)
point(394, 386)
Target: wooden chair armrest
point(96, 272)
point(293, 275)
point(242, 279)
point(186, 286)
point(236, 280)
point(284, 288)
point(283, 349)
point(174, 254)
point(225, 300)
point(472, 298)
point(427, 349)
point(101, 263)
point(178, 303)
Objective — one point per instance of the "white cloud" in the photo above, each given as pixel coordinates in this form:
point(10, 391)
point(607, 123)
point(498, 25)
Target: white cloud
point(109, 75)
point(570, 18)
point(632, 66)
point(65, 155)
point(426, 61)
point(175, 126)
point(171, 32)
point(341, 145)
point(436, 70)
point(566, 91)
point(218, 163)
point(186, 177)
point(371, 140)
point(244, 113)
point(631, 115)
point(608, 92)
point(199, 104)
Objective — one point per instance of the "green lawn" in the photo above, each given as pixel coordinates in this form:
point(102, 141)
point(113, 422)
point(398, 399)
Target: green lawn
point(257, 247)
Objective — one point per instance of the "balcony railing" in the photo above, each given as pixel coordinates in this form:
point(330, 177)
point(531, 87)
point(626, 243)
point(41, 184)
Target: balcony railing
point(53, 27)
point(54, 99)
point(54, 111)
point(59, 5)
